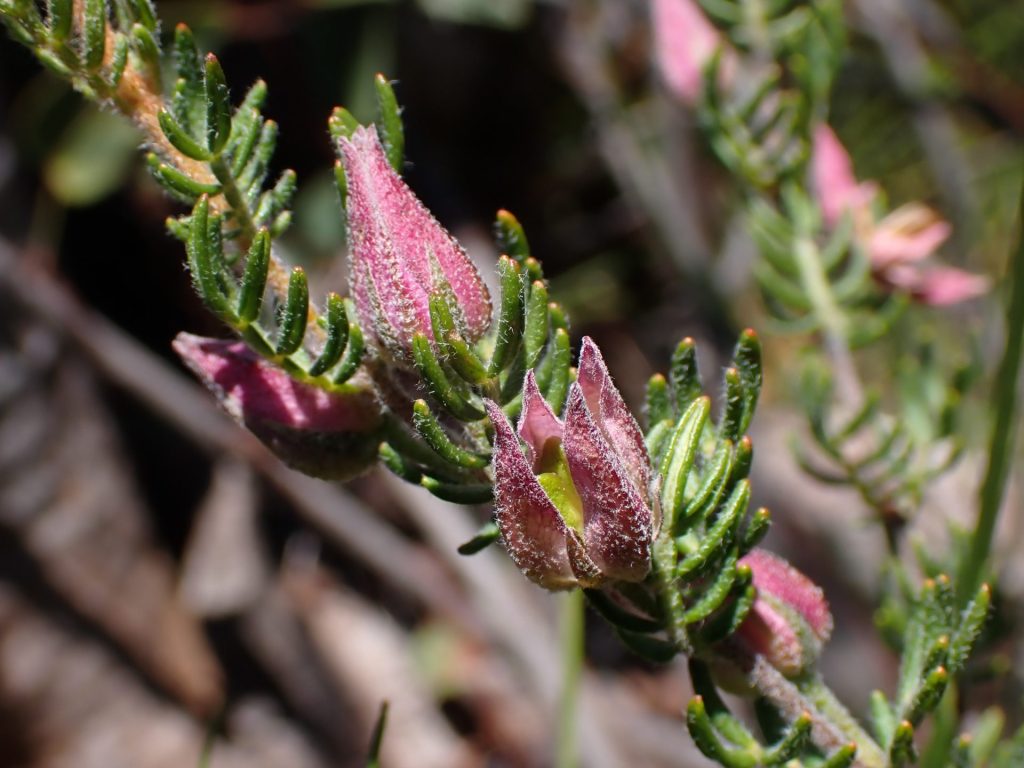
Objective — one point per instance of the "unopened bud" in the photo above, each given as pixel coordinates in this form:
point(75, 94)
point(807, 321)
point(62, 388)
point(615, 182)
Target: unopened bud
point(790, 619)
point(326, 434)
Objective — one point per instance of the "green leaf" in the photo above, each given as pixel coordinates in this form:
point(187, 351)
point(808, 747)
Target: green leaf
point(177, 182)
point(145, 13)
point(180, 139)
point(453, 398)
point(59, 15)
point(757, 527)
point(510, 237)
point(251, 178)
point(797, 737)
point(734, 406)
point(901, 750)
point(341, 124)
point(464, 360)
point(390, 130)
point(458, 493)
point(657, 404)
point(708, 742)
point(720, 536)
point(428, 427)
point(882, 717)
point(245, 132)
point(353, 352)
point(487, 535)
point(148, 50)
point(618, 616)
point(561, 357)
point(510, 316)
point(675, 468)
point(118, 61)
point(399, 465)
point(536, 326)
point(276, 200)
point(715, 474)
point(295, 314)
point(204, 259)
point(928, 696)
point(94, 33)
point(648, 647)
point(715, 594)
point(684, 378)
point(841, 758)
point(254, 279)
point(218, 106)
point(336, 320)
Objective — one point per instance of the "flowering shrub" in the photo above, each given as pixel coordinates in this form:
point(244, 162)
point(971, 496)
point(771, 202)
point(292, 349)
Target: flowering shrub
point(418, 372)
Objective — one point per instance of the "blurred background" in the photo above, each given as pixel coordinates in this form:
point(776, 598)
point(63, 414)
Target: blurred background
point(162, 578)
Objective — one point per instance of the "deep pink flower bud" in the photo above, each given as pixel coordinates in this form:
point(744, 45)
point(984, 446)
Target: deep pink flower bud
point(684, 42)
point(327, 434)
point(574, 510)
point(790, 619)
point(899, 244)
point(399, 256)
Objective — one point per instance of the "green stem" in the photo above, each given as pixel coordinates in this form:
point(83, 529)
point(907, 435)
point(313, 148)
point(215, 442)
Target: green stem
point(231, 192)
point(830, 315)
point(573, 613)
point(1004, 395)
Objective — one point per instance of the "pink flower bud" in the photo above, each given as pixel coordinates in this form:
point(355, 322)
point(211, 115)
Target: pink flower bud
point(399, 256)
point(327, 434)
point(790, 619)
point(900, 243)
point(684, 42)
point(574, 510)
point(911, 233)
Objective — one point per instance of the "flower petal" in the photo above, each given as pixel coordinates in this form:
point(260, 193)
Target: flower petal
point(942, 286)
point(617, 523)
point(612, 415)
point(910, 233)
point(531, 527)
point(538, 422)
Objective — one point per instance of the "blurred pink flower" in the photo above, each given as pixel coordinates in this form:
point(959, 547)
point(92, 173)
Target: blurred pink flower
point(790, 619)
point(399, 256)
point(899, 244)
point(574, 510)
point(326, 434)
point(684, 42)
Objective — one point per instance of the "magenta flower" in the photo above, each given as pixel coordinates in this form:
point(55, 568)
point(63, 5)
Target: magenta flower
point(790, 619)
point(901, 243)
point(684, 42)
point(399, 256)
point(326, 434)
point(574, 510)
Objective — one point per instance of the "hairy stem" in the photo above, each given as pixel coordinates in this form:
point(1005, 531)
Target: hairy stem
point(832, 726)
